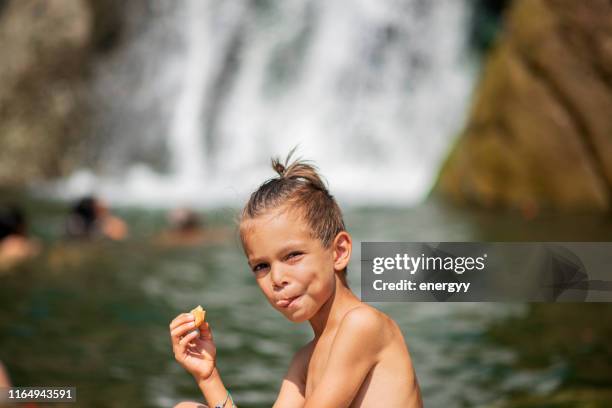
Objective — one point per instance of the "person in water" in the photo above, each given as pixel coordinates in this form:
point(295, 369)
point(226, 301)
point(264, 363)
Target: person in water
point(91, 218)
point(5, 383)
point(15, 244)
point(185, 228)
point(297, 247)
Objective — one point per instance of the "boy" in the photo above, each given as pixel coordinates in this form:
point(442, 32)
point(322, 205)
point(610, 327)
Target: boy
point(296, 244)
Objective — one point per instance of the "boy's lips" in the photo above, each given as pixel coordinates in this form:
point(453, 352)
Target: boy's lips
point(286, 302)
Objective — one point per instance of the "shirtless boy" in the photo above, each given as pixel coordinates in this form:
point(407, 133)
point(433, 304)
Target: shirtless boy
point(297, 246)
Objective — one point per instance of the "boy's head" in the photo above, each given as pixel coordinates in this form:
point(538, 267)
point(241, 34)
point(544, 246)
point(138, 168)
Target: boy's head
point(298, 188)
point(295, 239)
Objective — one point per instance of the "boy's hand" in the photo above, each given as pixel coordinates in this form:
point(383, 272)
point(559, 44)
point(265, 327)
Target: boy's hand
point(193, 349)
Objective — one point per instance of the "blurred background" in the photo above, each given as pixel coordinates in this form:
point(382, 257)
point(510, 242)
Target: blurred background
point(132, 132)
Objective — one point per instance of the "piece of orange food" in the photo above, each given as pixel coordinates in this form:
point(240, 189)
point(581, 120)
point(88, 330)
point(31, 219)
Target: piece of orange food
point(200, 315)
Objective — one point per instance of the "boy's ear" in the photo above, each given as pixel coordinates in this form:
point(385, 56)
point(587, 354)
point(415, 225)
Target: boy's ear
point(343, 246)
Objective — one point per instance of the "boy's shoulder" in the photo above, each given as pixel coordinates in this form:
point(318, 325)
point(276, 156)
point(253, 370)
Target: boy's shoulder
point(363, 323)
point(364, 317)
point(366, 324)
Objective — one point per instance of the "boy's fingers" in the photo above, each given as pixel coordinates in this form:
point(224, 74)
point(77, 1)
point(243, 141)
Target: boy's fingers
point(181, 330)
point(179, 345)
point(205, 331)
point(188, 337)
point(180, 319)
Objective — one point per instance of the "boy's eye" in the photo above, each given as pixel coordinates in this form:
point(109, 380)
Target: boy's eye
point(293, 255)
point(260, 267)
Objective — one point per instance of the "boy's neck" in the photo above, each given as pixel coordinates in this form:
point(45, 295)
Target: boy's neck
point(331, 313)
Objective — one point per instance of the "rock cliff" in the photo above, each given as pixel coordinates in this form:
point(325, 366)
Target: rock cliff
point(47, 51)
point(539, 135)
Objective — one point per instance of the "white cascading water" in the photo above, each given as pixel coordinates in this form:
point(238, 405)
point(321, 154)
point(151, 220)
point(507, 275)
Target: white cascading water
point(373, 91)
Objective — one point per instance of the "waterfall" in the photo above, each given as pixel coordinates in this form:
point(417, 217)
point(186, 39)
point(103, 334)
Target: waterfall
point(203, 92)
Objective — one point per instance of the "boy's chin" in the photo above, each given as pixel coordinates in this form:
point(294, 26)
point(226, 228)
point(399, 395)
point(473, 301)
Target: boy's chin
point(296, 317)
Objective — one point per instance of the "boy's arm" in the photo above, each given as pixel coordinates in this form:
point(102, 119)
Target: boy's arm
point(354, 352)
point(196, 352)
point(294, 384)
point(213, 389)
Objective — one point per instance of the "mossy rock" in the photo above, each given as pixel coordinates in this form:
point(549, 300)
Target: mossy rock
point(539, 135)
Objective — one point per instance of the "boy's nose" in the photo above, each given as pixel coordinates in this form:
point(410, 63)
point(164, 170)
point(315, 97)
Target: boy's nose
point(279, 277)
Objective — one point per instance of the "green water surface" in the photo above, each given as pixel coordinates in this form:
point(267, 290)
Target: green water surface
point(96, 315)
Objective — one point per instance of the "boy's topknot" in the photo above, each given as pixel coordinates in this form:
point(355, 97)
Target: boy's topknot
point(299, 170)
point(298, 186)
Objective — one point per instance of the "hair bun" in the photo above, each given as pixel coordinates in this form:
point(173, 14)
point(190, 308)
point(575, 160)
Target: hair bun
point(279, 167)
point(298, 169)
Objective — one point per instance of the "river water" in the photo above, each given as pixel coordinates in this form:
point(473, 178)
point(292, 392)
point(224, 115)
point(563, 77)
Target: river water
point(95, 315)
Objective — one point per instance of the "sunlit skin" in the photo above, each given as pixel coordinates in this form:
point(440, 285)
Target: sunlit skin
point(4, 378)
point(358, 357)
point(16, 248)
point(111, 226)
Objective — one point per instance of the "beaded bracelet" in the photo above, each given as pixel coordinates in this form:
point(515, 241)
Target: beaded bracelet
point(228, 397)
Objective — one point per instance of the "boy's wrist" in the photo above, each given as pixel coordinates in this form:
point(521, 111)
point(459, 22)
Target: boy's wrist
point(213, 389)
point(204, 381)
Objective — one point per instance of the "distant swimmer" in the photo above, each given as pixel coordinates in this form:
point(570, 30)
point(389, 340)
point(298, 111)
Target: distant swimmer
point(90, 218)
point(5, 381)
point(15, 245)
point(185, 228)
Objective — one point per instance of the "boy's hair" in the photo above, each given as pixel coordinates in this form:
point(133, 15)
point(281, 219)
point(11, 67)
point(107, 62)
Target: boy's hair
point(299, 187)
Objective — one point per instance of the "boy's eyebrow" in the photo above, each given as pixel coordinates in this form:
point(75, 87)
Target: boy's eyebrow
point(290, 245)
point(253, 261)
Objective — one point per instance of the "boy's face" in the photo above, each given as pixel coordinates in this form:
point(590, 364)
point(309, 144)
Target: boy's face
point(293, 269)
